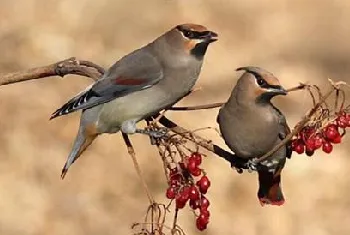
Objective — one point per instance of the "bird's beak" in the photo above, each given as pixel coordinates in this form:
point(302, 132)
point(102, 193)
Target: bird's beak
point(210, 37)
point(277, 90)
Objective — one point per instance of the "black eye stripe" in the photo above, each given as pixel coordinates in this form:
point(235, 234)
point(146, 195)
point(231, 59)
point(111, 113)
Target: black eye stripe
point(191, 34)
point(262, 82)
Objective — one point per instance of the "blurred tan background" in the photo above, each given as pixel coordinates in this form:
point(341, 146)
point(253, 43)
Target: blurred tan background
point(298, 40)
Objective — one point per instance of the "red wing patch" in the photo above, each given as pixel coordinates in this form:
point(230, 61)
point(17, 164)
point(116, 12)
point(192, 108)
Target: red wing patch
point(129, 81)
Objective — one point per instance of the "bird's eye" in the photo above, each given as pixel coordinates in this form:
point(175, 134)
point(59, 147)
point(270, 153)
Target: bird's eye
point(261, 81)
point(188, 34)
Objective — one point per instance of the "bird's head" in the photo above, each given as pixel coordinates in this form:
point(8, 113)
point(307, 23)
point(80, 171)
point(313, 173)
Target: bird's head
point(193, 39)
point(259, 84)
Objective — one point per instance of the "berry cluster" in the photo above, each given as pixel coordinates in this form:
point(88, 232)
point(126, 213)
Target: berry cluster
point(183, 188)
point(311, 138)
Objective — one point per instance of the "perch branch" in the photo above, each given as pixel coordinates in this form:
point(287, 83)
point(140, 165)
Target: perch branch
point(207, 144)
point(94, 71)
point(61, 68)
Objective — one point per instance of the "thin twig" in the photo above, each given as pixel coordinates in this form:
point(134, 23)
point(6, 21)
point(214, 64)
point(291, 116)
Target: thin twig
point(218, 105)
point(197, 107)
point(137, 167)
point(175, 221)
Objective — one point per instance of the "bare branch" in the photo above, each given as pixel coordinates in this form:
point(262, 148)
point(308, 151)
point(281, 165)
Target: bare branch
point(217, 105)
point(197, 107)
point(62, 68)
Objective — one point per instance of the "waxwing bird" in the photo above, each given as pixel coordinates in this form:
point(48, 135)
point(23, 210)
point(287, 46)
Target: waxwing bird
point(251, 126)
point(139, 85)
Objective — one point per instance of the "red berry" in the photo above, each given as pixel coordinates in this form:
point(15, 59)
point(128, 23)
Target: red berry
point(182, 197)
point(348, 119)
point(204, 202)
point(171, 193)
point(196, 172)
point(327, 147)
point(341, 121)
point(310, 144)
point(298, 146)
point(194, 194)
point(202, 222)
point(204, 184)
point(194, 204)
point(318, 141)
point(180, 202)
point(332, 127)
point(203, 219)
point(331, 133)
point(197, 157)
point(205, 212)
point(200, 226)
point(336, 140)
point(191, 165)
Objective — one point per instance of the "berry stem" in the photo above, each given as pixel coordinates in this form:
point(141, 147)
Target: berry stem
point(175, 221)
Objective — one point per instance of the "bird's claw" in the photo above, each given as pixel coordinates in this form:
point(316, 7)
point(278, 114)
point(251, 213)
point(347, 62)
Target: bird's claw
point(159, 133)
point(154, 133)
point(251, 165)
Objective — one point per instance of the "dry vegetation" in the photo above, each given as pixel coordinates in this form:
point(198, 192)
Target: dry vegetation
point(298, 40)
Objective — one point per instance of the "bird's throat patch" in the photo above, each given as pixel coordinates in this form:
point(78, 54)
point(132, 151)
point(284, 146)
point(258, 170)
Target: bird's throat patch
point(199, 50)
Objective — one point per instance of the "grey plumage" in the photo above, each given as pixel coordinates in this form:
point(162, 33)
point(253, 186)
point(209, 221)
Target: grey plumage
point(139, 85)
point(251, 126)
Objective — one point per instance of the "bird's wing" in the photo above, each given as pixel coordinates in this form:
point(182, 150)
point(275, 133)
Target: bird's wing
point(284, 131)
point(137, 71)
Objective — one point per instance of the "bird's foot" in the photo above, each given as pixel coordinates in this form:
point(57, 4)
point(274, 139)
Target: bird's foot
point(270, 165)
point(252, 165)
point(157, 133)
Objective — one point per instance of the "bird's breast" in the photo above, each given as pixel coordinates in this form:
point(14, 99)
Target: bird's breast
point(248, 135)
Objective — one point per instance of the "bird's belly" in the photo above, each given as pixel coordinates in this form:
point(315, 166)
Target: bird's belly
point(248, 145)
point(135, 106)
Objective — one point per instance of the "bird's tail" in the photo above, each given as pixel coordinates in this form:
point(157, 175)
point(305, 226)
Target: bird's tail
point(270, 192)
point(85, 137)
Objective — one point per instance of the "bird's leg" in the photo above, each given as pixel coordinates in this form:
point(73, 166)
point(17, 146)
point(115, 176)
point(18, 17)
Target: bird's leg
point(129, 127)
point(152, 139)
